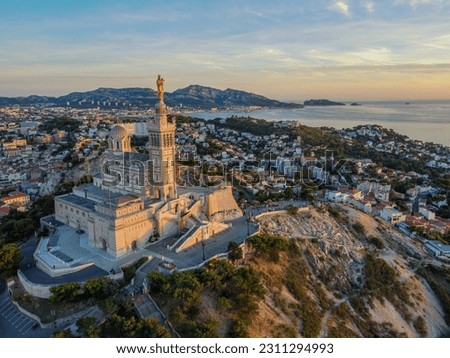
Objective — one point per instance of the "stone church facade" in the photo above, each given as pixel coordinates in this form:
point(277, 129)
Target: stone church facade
point(136, 198)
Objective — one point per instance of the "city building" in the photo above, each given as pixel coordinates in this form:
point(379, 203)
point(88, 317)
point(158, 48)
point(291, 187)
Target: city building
point(437, 248)
point(135, 198)
point(392, 216)
point(16, 197)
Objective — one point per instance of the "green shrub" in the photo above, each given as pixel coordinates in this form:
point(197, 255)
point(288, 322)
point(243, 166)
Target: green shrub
point(359, 304)
point(224, 303)
point(377, 242)
point(334, 212)
point(130, 271)
point(420, 326)
point(9, 260)
point(234, 251)
point(359, 228)
point(67, 292)
point(100, 288)
point(268, 247)
point(88, 326)
point(194, 329)
point(291, 210)
point(378, 273)
point(158, 282)
point(238, 329)
point(342, 312)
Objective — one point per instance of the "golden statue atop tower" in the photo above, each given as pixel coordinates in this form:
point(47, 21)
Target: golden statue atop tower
point(160, 86)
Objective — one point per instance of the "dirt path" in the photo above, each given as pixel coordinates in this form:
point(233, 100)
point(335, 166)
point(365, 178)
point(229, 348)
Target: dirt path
point(326, 317)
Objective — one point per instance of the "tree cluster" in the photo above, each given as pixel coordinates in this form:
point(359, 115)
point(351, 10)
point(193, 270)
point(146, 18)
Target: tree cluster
point(18, 227)
point(236, 291)
point(97, 288)
point(268, 247)
point(121, 320)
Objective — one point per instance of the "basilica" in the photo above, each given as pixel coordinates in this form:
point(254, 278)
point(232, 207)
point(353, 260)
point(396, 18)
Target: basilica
point(135, 198)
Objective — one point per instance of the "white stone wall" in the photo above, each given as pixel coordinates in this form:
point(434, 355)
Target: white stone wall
point(99, 230)
point(221, 200)
point(73, 215)
point(193, 239)
point(136, 227)
point(41, 291)
point(203, 233)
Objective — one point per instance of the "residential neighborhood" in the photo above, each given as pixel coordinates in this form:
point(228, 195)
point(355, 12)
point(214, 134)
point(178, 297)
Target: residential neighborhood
point(42, 147)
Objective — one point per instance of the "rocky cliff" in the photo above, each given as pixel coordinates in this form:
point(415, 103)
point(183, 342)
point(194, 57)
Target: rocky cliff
point(346, 274)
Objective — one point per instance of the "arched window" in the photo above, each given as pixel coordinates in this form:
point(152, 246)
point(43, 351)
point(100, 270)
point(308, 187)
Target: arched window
point(105, 166)
point(118, 145)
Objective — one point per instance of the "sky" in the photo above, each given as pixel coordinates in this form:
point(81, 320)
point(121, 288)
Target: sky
point(286, 50)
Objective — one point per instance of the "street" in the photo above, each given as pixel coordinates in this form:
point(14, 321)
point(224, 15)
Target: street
point(14, 324)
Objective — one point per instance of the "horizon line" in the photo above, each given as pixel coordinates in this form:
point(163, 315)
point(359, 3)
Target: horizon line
point(296, 101)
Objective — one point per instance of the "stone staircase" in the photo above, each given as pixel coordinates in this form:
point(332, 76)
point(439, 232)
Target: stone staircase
point(147, 308)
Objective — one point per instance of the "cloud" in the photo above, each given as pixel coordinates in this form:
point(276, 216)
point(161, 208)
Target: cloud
point(370, 6)
point(374, 56)
point(360, 57)
point(342, 7)
point(414, 3)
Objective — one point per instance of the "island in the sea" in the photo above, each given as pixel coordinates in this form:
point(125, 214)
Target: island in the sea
point(322, 102)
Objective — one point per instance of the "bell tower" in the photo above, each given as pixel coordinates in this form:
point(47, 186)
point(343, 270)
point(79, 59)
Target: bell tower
point(162, 149)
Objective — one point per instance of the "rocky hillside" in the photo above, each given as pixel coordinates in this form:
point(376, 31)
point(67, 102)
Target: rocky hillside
point(328, 272)
point(346, 274)
point(206, 97)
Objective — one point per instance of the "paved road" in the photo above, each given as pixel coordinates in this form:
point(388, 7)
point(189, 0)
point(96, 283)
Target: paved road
point(14, 324)
point(26, 253)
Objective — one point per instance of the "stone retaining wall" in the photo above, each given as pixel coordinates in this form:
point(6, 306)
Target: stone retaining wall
point(34, 289)
point(283, 211)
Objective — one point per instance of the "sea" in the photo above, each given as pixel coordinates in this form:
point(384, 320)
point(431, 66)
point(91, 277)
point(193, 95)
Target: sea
point(428, 121)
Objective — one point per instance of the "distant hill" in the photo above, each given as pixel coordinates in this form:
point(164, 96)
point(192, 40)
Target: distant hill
point(193, 96)
point(322, 102)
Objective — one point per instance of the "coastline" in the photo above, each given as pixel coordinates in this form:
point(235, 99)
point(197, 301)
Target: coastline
point(427, 121)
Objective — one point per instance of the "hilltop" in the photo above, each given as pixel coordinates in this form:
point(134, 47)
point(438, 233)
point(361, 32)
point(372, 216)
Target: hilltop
point(349, 275)
point(329, 272)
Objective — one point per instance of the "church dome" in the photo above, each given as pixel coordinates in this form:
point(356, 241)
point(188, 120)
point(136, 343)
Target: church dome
point(118, 132)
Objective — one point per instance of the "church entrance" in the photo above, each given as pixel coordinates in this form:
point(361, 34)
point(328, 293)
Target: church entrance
point(103, 243)
point(134, 245)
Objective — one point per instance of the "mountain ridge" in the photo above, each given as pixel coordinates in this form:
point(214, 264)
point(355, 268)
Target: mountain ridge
point(192, 96)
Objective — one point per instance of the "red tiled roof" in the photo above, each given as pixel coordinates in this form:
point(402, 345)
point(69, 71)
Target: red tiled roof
point(17, 194)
